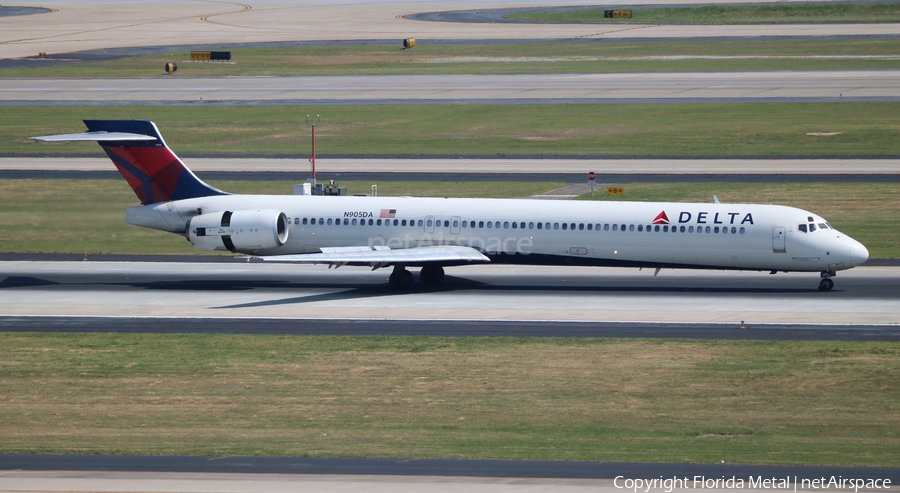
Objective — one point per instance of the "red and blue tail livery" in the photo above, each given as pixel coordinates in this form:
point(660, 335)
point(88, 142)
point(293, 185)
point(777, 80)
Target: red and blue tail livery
point(145, 161)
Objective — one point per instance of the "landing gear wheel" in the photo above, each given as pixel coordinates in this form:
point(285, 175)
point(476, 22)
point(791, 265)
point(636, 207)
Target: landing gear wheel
point(826, 285)
point(401, 279)
point(432, 274)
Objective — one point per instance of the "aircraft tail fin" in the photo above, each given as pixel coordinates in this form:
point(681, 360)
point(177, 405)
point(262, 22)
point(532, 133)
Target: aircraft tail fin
point(142, 157)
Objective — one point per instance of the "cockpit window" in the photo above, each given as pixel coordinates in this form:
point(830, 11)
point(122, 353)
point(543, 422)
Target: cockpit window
point(823, 226)
point(812, 227)
point(802, 228)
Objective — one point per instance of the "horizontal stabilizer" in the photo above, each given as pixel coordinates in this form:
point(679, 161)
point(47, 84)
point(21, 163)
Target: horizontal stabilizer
point(380, 256)
point(95, 137)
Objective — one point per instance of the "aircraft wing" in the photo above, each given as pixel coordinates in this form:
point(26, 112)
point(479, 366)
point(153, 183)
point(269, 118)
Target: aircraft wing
point(381, 256)
point(94, 137)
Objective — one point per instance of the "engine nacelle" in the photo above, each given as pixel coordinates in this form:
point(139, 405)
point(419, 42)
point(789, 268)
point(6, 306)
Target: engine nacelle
point(238, 231)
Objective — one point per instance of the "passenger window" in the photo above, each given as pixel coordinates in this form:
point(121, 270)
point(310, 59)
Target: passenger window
point(481, 224)
point(490, 225)
point(403, 222)
point(329, 221)
point(716, 229)
point(812, 227)
point(497, 224)
point(615, 227)
point(580, 226)
point(447, 224)
point(656, 228)
point(429, 223)
point(597, 226)
point(304, 220)
point(514, 225)
point(690, 229)
point(455, 224)
point(505, 224)
point(640, 227)
point(531, 225)
point(742, 230)
point(565, 226)
point(631, 227)
point(733, 230)
point(590, 227)
point(623, 227)
point(396, 222)
point(539, 225)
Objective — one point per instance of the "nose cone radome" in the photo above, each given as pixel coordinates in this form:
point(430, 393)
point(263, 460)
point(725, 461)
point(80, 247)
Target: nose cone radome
point(858, 254)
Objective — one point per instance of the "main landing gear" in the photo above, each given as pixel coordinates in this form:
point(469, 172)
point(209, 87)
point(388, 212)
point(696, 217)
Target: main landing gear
point(402, 279)
point(826, 283)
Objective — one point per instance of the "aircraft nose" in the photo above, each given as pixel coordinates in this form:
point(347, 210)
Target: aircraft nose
point(858, 254)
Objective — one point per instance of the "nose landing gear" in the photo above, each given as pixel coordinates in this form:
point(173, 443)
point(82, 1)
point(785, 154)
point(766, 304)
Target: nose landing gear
point(826, 283)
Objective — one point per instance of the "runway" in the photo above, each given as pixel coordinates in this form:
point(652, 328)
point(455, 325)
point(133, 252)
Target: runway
point(488, 293)
point(88, 25)
point(820, 85)
point(524, 169)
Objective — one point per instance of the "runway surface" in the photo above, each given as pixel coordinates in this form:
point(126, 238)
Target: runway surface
point(87, 25)
point(375, 468)
point(820, 85)
point(238, 289)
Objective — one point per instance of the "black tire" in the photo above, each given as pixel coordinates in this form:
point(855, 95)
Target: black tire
point(432, 274)
point(401, 280)
point(826, 285)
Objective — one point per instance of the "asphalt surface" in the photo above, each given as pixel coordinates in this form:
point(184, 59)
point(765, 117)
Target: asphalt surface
point(425, 467)
point(449, 328)
point(473, 177)
point(587, 88)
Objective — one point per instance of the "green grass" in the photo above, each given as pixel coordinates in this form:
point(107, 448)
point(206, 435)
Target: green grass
point(827, 403)
point(88, 216)
point(703, 129)
point(798, 13)
point(563, 56)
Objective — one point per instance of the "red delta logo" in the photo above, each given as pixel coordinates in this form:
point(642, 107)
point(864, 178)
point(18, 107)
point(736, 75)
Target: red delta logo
point(661, 218)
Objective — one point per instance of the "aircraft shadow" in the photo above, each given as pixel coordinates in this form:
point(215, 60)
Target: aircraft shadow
point(455, 284)
point(24, 282)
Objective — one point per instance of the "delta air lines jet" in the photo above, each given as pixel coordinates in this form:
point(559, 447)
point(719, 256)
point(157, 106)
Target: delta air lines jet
point(434, 233)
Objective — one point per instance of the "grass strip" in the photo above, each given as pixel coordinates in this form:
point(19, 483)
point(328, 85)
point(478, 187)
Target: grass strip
point(828, 403)
point(87, 216)
point(501, 58)
point(702, 129)
point(799, 13)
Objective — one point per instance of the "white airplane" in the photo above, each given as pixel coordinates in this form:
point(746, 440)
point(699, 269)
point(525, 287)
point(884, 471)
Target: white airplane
point(433, 233)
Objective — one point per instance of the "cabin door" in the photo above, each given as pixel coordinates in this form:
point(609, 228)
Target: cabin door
point(778, 240)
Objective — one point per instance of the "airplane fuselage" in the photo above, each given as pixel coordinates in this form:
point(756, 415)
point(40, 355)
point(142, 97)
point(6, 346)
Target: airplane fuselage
point(640, 234)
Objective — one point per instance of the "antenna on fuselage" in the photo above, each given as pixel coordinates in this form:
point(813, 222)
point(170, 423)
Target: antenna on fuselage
point(716, 199)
